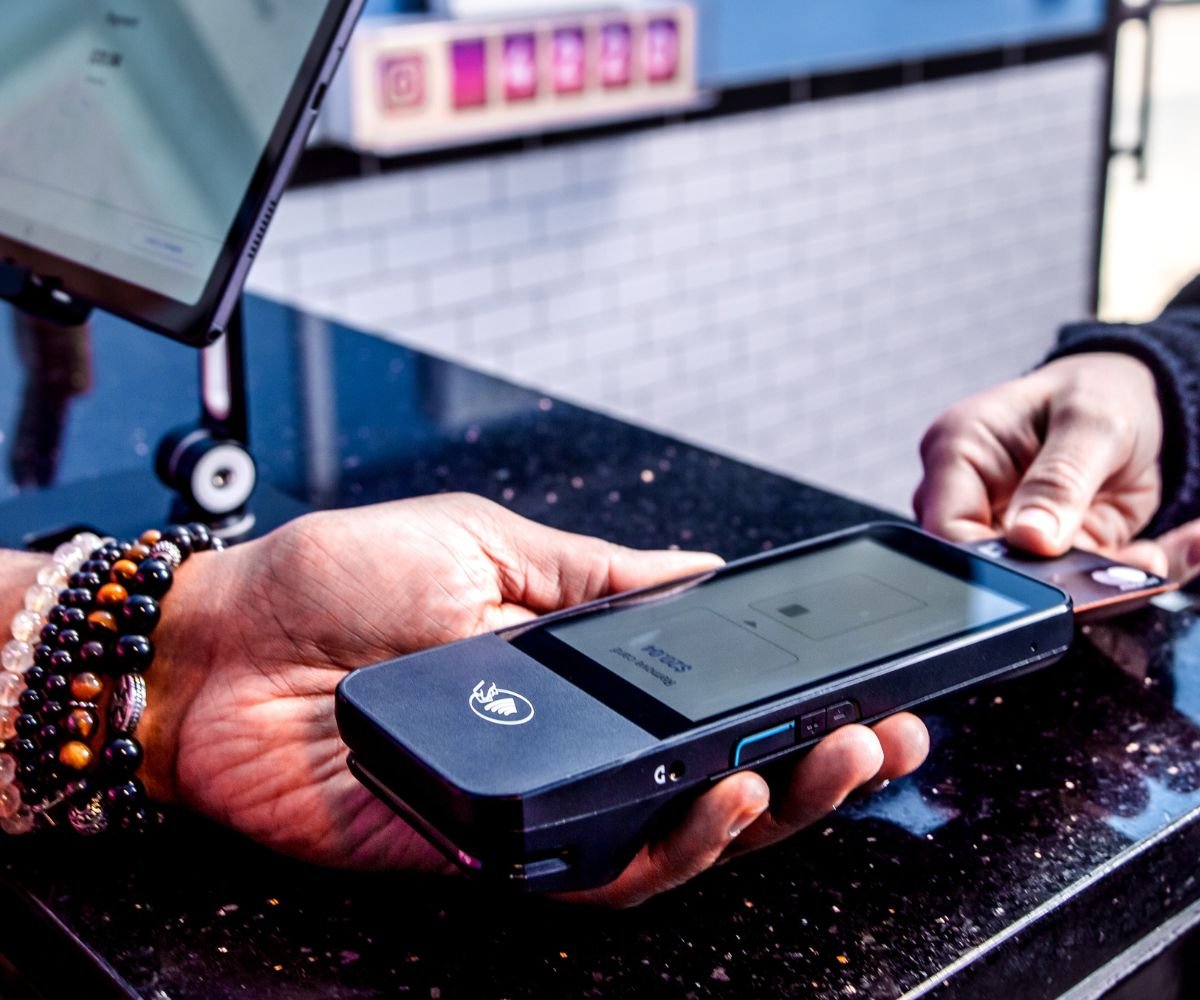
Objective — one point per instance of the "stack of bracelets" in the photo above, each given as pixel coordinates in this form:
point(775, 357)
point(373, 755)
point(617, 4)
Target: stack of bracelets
point(72, 691)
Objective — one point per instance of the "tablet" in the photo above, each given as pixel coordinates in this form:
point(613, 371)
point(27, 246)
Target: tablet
point(146, 145)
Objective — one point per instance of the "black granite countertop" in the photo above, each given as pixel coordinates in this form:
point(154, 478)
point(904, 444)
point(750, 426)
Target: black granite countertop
point(1055, 823)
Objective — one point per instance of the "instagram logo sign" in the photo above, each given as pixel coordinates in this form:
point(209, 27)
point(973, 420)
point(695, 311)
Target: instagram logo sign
point(402, 82)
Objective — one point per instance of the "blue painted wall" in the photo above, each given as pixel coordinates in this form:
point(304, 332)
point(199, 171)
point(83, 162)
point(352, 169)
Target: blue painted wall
point(375, 7)
point(743, 41)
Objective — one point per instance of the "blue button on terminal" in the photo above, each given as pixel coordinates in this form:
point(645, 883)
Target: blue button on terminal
point(761, 744)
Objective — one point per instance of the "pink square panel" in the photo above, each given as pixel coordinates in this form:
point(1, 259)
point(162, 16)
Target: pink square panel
point(468, 63)
point(569, 60)
point(520, 67)
point(616, 54)
point(662, 49)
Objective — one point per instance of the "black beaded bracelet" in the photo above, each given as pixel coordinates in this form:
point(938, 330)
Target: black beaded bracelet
point(96, 641)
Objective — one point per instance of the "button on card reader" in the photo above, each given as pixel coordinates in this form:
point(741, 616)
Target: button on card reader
point(786, 734)
point(841, 713)
point(812, 724)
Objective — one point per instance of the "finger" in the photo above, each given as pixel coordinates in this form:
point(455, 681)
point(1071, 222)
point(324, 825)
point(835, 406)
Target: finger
point(905, 743)
point(544, 569)
point(968, 474)
point(714, 820)
point(953, 500)
point(1181, 549)
point(1079, 454)
point(1147, 555)
point(819, 783)
point(733, 814)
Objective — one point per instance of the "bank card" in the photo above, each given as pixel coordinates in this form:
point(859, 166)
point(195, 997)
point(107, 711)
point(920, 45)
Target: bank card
point(1099, 587)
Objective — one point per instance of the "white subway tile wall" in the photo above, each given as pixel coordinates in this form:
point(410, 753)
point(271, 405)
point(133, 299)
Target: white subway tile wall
point(805, 287)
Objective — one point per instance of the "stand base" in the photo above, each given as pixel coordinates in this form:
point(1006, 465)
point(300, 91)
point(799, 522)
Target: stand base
point(122, 504)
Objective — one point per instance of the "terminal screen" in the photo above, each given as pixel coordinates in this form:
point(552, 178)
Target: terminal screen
point(752, 635)
point(132, 129)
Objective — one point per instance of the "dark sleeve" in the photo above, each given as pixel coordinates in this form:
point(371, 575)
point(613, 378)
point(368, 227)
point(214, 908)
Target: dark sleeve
point(1170, 346)
point(1190, 296)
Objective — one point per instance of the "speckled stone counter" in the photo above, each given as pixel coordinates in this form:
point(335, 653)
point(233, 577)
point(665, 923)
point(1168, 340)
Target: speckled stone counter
point(1056, 823)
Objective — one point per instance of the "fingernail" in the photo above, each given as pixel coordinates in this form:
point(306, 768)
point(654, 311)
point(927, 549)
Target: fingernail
point(1193, 557)
point(762, 795)
point(878, 786)
point(1039, 520)
point(744, 821)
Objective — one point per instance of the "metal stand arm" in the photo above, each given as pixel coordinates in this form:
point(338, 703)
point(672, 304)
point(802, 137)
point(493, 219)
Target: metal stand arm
point(209, 465)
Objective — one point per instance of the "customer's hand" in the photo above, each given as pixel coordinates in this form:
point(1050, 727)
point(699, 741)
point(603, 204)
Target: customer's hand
point(1067, 455)
point(241, 724)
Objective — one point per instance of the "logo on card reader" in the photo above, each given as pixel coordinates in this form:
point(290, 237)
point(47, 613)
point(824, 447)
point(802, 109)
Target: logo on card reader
point(505, 708)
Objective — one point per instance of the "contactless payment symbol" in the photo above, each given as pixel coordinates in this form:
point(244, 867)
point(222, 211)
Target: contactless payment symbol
point(505, 708)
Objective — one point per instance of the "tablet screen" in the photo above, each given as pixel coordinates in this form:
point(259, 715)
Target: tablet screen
point(132, 128)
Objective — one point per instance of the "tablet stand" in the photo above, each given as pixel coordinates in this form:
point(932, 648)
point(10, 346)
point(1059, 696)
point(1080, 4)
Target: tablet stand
point(204, 470)
point(208, 465)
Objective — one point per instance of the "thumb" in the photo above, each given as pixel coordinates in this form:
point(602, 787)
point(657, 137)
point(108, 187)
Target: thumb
point(544, 569)
point(633, 568)
point(1053, 497)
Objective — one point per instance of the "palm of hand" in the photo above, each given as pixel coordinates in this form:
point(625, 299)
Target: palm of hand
point(258, 745)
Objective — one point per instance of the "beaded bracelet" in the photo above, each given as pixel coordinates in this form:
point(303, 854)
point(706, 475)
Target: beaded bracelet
point(93, 641)
point(17, 658)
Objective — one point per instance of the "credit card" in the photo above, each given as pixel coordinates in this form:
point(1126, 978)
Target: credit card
point(1099, 587)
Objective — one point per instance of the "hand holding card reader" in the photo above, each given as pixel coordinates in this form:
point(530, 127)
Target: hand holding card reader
point(544, 755)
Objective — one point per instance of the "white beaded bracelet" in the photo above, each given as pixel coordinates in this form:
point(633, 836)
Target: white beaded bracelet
point(17, 657)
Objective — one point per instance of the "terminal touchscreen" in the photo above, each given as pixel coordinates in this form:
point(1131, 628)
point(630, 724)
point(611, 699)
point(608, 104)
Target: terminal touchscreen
point(543, 755)
point(146, 143)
